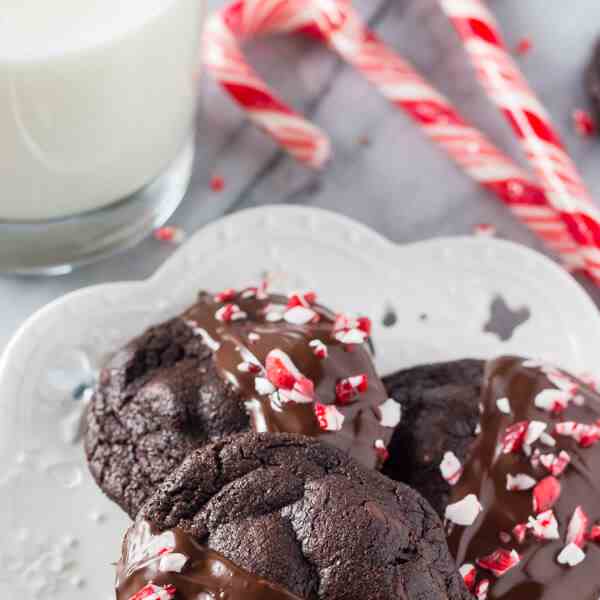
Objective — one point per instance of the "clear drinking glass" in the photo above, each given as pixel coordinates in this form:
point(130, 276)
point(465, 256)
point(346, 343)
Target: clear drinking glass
point(97, 107)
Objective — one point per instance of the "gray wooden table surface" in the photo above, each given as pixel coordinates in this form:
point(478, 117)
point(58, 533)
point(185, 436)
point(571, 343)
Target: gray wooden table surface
point(399, 184)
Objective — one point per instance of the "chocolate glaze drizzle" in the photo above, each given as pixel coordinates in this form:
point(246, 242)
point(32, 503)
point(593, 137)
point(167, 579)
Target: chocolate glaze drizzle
point(538, 576)
point(200, 573)
point(251, 338)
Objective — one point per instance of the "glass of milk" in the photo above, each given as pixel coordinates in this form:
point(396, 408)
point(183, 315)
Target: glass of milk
point(97, 106)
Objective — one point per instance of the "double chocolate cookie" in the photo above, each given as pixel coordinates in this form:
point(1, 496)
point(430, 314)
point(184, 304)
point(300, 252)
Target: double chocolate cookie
point(520, 490)
point(294, 512)
point(235, 361)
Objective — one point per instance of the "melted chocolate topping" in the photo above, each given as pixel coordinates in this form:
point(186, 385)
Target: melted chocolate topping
point(173, 561)
point(262, 327)
point(538, 576)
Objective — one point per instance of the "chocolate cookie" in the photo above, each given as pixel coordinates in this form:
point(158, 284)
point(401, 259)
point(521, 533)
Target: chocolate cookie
point(304, 516)
point(234, 361)
point(440, 414)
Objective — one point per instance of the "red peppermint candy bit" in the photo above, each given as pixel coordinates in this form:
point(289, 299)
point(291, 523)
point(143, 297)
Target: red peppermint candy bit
point(578, 526)
point(544, 526)
point(484, 230)
point(173, 235)
point(280, 371)
point(351, 330)
point(524, 46)
point(230, 312)
point(553, 401)
point(514, 437)
point(545, 494)
point(584, 123)
point(451, 468)
point(217, 183)
point(519, 532)
point(381, 451)
point(347, 390)
point(225, 295)
point(329, 417)
point(469, 574)
point(500, 562)
point(319, 349)
point(594, 535)
point(556, 464)
point(482, 589)
point(249, 367)
point(155, 592)
point(585, 435)
point(306, 299)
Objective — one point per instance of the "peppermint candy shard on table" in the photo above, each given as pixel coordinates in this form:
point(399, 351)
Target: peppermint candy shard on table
point(451, 468)
point(465, 511)
point(500, 562)
point(329, 417)
point(391, 413)
point(155, 592)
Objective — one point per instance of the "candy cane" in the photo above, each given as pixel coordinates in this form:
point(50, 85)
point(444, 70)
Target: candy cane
point(336, 24)
point(506, 86)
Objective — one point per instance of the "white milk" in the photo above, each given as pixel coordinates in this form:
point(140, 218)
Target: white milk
point(96, 98)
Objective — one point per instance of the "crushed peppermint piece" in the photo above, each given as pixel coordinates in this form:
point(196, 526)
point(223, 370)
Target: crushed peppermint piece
point(226, 295)
point(391, 413)
point(552, 401)
point(217, 183)
point(155, 592)
point(500, 562)
point(585, 435)
point(306, 299)
point(249, 367)
point(451, 468)
point(319, 349)
point(534, 431)
point(468, 573)
point(329, 417)
point(484, 230)
point(578, 526)
point(230, 312)
point(381, 450)
point(503, 405)
point(482, 589)
point(594, 535)
point(300, 315)
point(514, 437)
point(263, 386)
point(584, 123)
point(519, 482)
point(545, 494)
point(170, 234)
point(465, 511)
point(555, 464)
point(253, 336)
point(351, 330)
point(173, 562)
point(519, 532)
point(524, 46)
point(547, 439)
point(544, 526)
point(571, 555)
point(291, 384)
point(348, 389)
point(477, 429)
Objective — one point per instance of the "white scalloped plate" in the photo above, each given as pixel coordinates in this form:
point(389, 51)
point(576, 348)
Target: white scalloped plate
point(61, 534)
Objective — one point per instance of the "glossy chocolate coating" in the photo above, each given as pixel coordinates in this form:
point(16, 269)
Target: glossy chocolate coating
point(538, 576)
point(255, 336)
point(205, 574)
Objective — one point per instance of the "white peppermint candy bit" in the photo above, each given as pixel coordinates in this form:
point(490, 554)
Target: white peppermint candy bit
point(555, 464)
point(571, 555)
point(249, 367)
point(300, 315)
point(253, 336)
point(391, 413)
point(547, 439)
point(578, 526)
point(482, 589)
point(553, 401)
point(544, 526)
point(230, 312)
point(519, 482)
point(534, 431)
point(477, 429)
point(451, 468)
point(329, 417)
point(465, 511)
point(155, 592)
point(503, 405)
point(263, 386)
point(172, 562)
point(319, 349)
point(274, 316)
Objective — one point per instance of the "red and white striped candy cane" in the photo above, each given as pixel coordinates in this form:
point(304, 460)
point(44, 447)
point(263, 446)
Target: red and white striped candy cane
point(335, 23)
point(507, 87)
